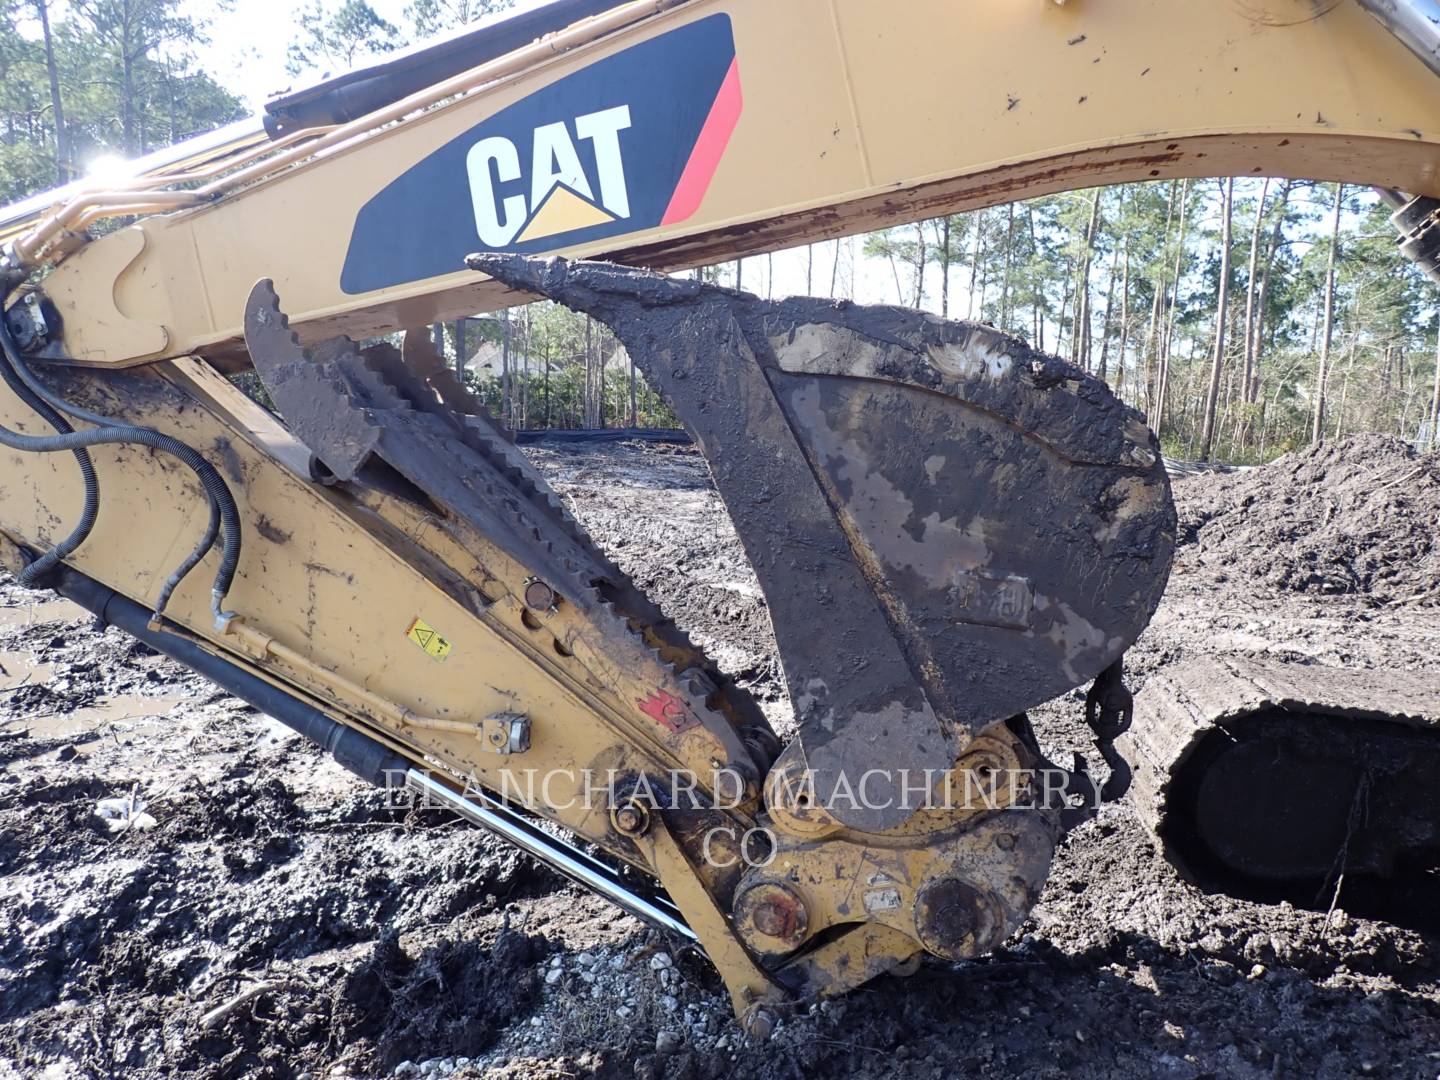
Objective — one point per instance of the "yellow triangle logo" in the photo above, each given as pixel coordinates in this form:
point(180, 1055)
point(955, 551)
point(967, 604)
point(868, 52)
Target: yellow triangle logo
point(562, 211)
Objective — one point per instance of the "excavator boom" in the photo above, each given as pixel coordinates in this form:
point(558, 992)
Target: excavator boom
point(672, 135)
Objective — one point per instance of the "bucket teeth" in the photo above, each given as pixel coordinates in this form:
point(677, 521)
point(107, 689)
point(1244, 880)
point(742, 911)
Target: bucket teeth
point(305, 385)
point(485, 434)
point(347, 404)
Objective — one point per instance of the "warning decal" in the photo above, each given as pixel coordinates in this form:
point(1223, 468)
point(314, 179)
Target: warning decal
point(436, 646)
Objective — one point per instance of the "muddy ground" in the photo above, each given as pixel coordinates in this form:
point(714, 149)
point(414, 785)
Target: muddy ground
point(377, 941)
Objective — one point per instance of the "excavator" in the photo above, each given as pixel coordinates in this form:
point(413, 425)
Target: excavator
point(950, 527)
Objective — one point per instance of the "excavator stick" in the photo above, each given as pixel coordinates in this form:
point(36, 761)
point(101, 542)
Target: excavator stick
point(942, 520)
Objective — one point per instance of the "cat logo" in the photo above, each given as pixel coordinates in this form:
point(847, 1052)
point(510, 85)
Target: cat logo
point(628, 143)
point(561, 197)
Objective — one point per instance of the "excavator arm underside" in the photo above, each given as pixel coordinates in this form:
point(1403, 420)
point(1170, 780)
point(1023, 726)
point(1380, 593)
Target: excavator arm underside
point(948, 526)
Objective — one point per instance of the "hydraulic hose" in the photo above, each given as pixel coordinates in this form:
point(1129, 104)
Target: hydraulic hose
point(212, 529)
point(33, 574)
point(49, 396)
point(207, 541)
point(224, 514)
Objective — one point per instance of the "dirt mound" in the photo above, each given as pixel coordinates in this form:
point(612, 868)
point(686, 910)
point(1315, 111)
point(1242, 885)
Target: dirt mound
point(1357, 517)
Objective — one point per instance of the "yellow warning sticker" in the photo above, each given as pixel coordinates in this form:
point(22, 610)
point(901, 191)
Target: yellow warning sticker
point(436, 646)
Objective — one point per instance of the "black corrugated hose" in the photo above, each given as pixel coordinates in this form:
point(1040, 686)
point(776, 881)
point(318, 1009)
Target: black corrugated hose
point(224, 515)
point(33, 574)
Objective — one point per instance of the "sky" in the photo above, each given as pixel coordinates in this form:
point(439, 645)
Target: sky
point(246, 53)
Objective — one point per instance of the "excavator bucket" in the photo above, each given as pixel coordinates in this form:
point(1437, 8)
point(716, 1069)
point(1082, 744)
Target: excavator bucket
point(949, 527)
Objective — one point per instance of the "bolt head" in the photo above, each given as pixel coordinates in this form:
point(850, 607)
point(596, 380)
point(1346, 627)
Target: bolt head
point(630, 819)
point(955, 920)
point(772, 918)
point(758, 1023)
point(539, 596)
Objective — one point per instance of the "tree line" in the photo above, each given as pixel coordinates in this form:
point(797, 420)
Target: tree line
point(98, 77)
point(1245, 317)
point(543, 366)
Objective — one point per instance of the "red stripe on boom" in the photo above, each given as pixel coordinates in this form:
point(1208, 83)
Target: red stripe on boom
point(709, 148)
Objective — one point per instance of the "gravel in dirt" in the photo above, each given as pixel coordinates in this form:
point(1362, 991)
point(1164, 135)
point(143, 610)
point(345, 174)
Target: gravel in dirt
point(277, 919)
